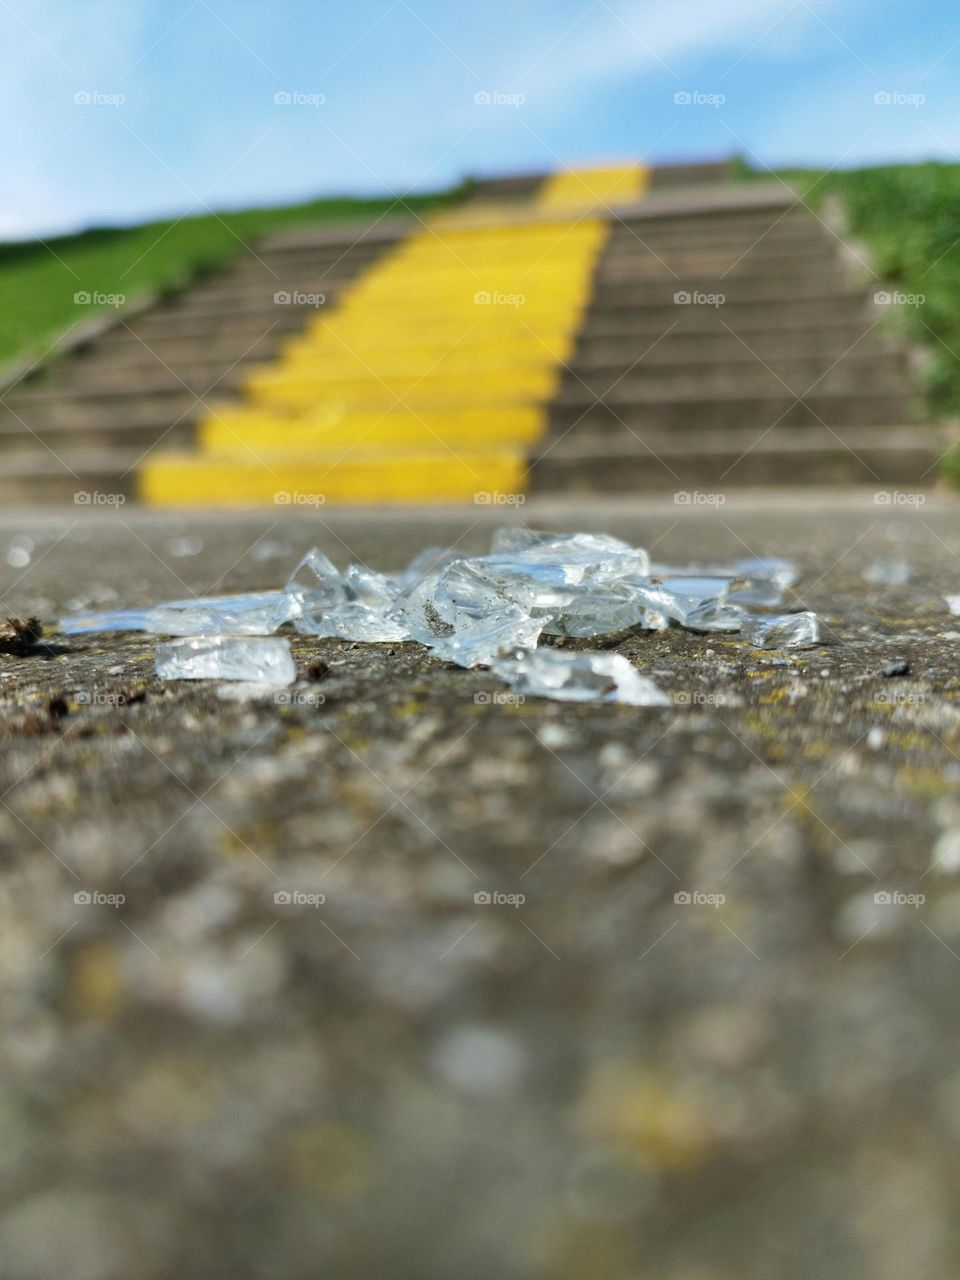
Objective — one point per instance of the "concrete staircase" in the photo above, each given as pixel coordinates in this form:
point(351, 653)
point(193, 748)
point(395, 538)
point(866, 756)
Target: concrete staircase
point(785, 381)
point(83, 424)
point(730, 342)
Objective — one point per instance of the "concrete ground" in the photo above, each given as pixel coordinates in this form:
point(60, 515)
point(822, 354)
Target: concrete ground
point(593, 993)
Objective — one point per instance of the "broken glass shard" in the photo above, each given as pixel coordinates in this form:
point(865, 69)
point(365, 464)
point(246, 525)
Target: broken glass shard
point(359, 604)
point(782, 631)
point(578, 677)
point(715, 615)
point(681, 597)
point(77, 624)
point(480, 610)
point(257, 613)
point(352, 621)
point(476, 642)
point(430, 560)
point(262, 660)
point(317, 580)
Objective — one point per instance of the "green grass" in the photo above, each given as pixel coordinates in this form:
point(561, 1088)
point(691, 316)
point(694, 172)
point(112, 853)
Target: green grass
point(38, 281)
point(908, 217)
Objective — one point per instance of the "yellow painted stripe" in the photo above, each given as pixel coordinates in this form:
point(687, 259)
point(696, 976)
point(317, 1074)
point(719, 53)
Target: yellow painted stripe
point(429, 379)
point(247, 432)
point(193, 479)
point(287, 389)
point(478, 356)
point(590, 188)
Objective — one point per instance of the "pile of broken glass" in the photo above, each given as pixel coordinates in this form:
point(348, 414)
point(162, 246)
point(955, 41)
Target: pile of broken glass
point(479, 611)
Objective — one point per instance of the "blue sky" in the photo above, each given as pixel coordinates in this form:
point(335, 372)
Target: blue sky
point(177, 106)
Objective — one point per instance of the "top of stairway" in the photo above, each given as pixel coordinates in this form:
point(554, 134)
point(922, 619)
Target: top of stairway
point(669, 201)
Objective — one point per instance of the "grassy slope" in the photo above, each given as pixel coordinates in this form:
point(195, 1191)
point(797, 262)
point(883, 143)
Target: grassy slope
point(38, 281)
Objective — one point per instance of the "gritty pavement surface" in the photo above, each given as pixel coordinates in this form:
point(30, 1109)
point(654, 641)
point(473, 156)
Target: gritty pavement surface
point(391, 975)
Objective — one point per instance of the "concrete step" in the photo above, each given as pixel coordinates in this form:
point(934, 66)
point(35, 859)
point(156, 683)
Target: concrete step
point(749, 381)
point(292, 261)
point(92, 408)
point(265, 289)
point(688, 342)
point(712, 232)
point(625, 246)
point(890, 456)
point(105, 379)
point(192, 362)
point(633, 402)
point(576, 408)
point(645, 264)
point(165, 325)
point(141, 372)
point(129, 428)
point(104, 479)
point(668, 321)
point(782, 350)
point(342, 236)
point(520, 187)
point(689, 175)
point(733, 291)
point(625, 311)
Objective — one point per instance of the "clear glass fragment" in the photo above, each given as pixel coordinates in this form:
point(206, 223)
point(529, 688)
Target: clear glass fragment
point(782, 631)
point(578, 677)
point(264, 660)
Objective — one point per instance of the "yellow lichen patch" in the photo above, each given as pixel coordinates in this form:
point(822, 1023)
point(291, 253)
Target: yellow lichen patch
point(578, 1250)
point(796, 799)
point(924, 783)
point(94, 983)
point(405, 709)
point(774, 696)
point(253, 842)
point(648, 1113)
point(175, 1094)
point(328, 1158)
